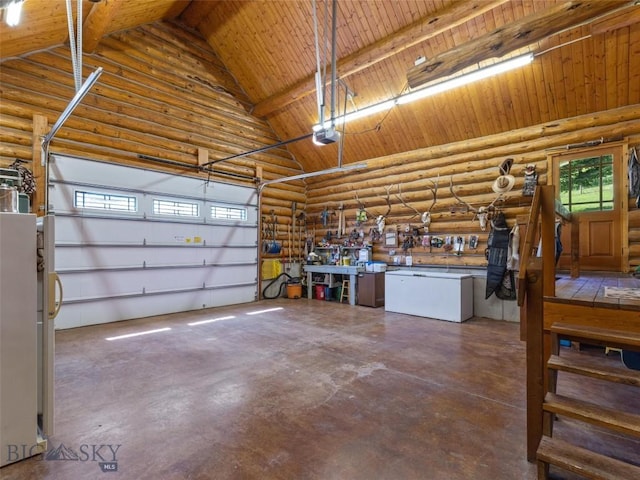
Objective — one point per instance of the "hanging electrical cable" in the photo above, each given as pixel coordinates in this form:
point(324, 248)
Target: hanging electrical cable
point(79, 46)
point(75, 46)
point(319, 79)
point(327, 134)
point(72, 45)
point(334, 37)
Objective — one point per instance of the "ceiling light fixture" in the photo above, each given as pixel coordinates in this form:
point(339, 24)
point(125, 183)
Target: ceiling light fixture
point(435, 89)
point(13, 9)
point(467, 78)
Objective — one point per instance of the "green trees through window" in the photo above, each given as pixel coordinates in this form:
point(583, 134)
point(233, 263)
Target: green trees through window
point(586, 184)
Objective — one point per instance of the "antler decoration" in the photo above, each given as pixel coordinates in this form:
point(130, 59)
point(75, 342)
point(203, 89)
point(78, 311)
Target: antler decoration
point(481, 213)
point(361, 215)
point(399, 196)
point(360, 204)
point(469, 207)
point(381, 220)
point(426, 216)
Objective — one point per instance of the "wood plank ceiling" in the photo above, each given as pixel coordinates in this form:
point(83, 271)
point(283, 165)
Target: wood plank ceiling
point(268, 46)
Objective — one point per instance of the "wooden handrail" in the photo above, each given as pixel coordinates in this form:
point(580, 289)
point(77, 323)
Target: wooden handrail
point(544, 203)
point(535, 355)
point(532, 228)
point(536, 280)
point(548, 234)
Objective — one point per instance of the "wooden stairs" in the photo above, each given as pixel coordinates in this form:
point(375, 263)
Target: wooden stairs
point(553, 451)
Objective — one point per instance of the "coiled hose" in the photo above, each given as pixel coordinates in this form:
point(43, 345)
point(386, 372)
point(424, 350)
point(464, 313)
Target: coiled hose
point(283, 284)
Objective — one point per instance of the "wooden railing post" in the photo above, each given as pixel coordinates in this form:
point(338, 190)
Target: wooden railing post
point(537, 281)
point(575, 247)
point(535, 355)
point(548, 233)
point(40, 128)
point(529, 239)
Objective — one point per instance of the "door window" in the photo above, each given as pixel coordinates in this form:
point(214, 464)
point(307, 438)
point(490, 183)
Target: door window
point(587, 184)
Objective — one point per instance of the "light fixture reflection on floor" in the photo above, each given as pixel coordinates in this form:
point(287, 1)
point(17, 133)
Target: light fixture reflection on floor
point(137, 334)
point(257, 312)
point(435, 89)
point(210, 320)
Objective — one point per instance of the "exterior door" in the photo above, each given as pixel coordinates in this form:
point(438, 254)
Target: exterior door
point(589, 184)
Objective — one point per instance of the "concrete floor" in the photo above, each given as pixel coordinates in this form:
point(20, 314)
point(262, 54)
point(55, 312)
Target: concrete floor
point(312, 390)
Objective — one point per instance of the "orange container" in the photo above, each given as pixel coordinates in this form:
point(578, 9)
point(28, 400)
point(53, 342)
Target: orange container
point(294, 290)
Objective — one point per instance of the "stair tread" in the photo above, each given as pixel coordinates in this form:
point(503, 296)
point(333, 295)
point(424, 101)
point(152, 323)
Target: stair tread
point(596, 368)
point(584, 462)
point(598, 336)
point(624, 422)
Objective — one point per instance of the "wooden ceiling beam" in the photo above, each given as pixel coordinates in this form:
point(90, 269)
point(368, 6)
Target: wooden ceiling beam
point(617, 20)
point(417, 32)
point(97, 23)
point(511, 37)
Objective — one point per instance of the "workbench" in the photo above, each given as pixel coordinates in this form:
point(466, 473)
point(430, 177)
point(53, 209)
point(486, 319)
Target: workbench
point(332, 270)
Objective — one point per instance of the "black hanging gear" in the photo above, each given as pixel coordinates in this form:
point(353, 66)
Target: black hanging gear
point(630, 359)
point(497, 253)
point(633, 172)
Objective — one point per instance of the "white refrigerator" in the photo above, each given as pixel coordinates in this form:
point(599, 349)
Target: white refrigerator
point(27, 308)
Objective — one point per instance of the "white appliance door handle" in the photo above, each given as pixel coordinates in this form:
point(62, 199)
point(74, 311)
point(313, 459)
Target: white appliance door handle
point(54, 307)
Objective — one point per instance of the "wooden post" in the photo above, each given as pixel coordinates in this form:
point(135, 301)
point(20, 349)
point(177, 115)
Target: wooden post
point(97, 23)
point(260, 239)
point(529, 238)
point(548, 239)
point(40, 126)
point(203, 156)
point(575, 247)
point(534, 354)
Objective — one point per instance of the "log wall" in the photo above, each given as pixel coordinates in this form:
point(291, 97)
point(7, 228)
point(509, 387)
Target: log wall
point(165, 97)
point(472, 166)
point(163, 100)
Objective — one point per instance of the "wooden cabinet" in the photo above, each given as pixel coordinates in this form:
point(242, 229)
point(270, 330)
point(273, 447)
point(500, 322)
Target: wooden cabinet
point(371, 289)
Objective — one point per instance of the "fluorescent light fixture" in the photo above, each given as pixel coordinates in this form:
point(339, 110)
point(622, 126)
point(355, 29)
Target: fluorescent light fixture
point(130, 335)
point(435, 89)
point(211, 320)
point(466, 79)
point(258, 312)
point(355, 115)
point(12, 15)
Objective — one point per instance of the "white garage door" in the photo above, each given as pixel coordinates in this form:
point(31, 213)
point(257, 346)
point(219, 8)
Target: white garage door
point(132, 243)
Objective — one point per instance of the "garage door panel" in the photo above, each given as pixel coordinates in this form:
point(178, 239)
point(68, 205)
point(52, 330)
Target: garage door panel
point(220, 276)
point(87, 230)
point(100, 284)
point(79, 314)
point(83, 230)
point(139, 263)
point(216, 256)
point(74, 258)
point(229, 235)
